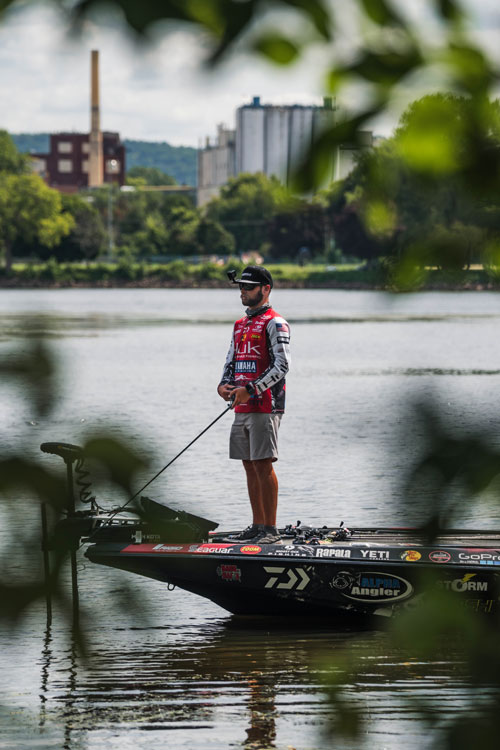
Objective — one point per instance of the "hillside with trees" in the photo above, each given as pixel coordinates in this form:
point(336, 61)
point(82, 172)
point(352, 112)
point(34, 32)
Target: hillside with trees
point(178, 161)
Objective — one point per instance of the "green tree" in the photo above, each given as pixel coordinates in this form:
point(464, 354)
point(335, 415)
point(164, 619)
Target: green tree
point(300, 225)
point(182, 237)
point(419, 195)
point(11, 160)
point(30, 212)
point(213, 238)
point(150, 176)
point(345, 215)
point(148, 241)
point(141, 219)
point(86, 239)
point(245, 206)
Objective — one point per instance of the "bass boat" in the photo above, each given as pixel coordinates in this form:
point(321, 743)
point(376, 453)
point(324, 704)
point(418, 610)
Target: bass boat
point(339, 572)
point(327, 571)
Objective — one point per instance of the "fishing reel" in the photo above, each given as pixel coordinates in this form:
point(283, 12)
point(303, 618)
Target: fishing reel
point(312, 535)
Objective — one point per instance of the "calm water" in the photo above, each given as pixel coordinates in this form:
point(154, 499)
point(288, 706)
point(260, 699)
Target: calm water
point(173, 668)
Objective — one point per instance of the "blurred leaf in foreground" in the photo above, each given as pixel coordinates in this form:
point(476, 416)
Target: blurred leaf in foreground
point(31, 373)
point(427, 196)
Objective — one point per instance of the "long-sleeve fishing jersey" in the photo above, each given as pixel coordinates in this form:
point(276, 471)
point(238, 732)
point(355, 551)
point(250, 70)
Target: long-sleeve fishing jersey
point(259, 358)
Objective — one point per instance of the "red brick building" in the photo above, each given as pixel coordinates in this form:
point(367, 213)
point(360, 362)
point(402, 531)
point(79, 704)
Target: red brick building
point(66, 166)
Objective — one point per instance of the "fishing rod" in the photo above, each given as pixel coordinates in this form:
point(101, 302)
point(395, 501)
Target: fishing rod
point(71, 453)
point(118, 510)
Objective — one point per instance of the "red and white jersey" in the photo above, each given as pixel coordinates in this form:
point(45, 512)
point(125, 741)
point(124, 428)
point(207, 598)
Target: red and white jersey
point(259, 354)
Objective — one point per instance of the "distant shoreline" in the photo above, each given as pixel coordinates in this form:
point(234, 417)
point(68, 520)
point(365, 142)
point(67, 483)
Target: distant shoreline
point(436, 286)
point(180, 274)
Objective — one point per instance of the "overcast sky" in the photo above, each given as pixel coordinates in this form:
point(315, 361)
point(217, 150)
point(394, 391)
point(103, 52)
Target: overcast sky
point(158, 93)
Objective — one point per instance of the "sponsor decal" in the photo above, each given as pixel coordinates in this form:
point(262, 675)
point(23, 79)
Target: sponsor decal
point(343, 580)
point(283, 340)
point(371, 587)
point(251, 549)
point(150, 548)
point(440, 556)
point(466, 583)
point(293, 550)
point(229, 573)
point(482, 549)
point(375, 554)
point(295, 579)
point(222, 548)
point(411, 555)
point(246, 365)
point(255, 336)
point(483, 557)
point(332, 552)
point(248, 349)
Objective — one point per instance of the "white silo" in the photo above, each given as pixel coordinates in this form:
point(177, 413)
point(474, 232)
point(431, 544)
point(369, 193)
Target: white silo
point(301, 125)
point(277, 135)
point(250, 137)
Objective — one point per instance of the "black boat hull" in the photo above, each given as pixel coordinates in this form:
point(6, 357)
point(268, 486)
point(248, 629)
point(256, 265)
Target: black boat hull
point(349, 580)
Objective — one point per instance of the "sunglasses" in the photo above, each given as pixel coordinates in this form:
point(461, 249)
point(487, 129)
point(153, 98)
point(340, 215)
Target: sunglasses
point(248, 287)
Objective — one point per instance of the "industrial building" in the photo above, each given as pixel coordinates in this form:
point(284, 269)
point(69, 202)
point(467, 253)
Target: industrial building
point(81, 160)
point(66, 167)
point(273, 140)
point(216, 164)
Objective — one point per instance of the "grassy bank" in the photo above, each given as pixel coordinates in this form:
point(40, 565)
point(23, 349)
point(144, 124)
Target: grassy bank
point(185, 275)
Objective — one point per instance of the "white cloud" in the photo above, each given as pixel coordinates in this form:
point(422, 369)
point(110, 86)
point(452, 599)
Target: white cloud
point(156, 93)
point(162, 92)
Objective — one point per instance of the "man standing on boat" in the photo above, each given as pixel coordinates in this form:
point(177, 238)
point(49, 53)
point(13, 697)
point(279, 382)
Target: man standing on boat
point(254, 377)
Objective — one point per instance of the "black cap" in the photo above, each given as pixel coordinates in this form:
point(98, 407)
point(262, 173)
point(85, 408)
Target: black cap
point(252, 275)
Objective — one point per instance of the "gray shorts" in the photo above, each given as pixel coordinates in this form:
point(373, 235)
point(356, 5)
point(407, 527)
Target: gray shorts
point(254, 436)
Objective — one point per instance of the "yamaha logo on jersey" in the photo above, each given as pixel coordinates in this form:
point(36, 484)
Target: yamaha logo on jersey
point(246, 365)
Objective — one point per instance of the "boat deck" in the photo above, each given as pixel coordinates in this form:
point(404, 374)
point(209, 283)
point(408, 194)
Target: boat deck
point(388, 537)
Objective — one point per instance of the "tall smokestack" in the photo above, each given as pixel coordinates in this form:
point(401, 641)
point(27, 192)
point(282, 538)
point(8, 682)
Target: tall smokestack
point(95, 139)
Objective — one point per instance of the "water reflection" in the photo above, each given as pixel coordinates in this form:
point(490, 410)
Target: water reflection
point(262, 708)
point(224, 678)
point(227, 684)
point(45, 665)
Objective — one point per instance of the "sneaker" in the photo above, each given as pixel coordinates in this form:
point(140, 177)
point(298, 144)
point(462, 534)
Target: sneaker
point(268, 535)
point(247, 535)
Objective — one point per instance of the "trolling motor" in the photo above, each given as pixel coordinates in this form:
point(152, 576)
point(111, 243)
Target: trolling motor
point(76, 524)
point(152, 521)
point(69, 453)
